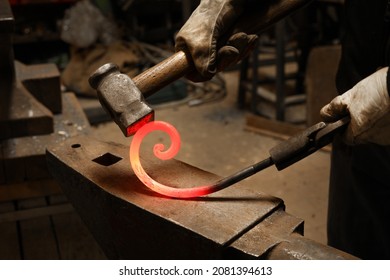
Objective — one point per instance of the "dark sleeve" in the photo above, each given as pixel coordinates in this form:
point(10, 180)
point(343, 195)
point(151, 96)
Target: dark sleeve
point(388, 81)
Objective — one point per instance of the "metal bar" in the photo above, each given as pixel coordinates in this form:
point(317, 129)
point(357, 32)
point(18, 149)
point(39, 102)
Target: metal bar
point(280, 71)
point(241, 98)
point(255, 79)
point(244, 173)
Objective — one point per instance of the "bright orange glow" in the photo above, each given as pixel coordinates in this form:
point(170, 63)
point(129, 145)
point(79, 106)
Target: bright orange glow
point(163, 155)
point(132, 129)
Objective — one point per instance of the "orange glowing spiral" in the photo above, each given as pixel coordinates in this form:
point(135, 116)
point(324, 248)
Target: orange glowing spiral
point(163, 155)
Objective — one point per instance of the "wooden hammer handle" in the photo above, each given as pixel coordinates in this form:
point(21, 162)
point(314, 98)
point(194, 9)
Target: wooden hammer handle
point(163, 73)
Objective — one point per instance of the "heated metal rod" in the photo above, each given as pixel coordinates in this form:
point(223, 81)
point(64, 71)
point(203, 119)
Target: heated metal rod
point(244, 173)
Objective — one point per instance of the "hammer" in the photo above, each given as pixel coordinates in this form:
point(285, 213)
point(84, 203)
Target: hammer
point(124, 98)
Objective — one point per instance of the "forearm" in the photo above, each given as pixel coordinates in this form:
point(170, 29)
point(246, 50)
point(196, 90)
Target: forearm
point(220, 32)
point(260, 14)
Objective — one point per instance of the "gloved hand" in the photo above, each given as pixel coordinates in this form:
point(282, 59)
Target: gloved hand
point(368, 104)
point(200, 36)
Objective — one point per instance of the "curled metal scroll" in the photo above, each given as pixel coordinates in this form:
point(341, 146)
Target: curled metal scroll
point(162, 154)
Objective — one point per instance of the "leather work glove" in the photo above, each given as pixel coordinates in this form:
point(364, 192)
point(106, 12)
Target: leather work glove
point(200, 36)
point(368, 104)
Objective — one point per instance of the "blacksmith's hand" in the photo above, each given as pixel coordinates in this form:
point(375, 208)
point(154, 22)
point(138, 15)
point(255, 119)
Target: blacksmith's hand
point(368, 104)
point(200, 38)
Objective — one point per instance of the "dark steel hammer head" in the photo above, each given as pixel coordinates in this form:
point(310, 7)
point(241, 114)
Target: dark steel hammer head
point(121, 98)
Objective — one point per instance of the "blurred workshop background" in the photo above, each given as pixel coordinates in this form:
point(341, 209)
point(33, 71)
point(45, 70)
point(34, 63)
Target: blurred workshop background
point(226, 124)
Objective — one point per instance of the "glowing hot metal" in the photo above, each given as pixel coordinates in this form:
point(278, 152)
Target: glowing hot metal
point(159, 152)
point(170, 153)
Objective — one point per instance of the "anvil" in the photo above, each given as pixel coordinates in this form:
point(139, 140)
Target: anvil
point(129, 221)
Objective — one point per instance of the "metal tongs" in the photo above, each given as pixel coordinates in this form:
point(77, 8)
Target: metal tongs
point(292, 150)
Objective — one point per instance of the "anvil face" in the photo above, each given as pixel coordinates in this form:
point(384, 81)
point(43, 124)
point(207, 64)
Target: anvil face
point(129, 221)
point(142, 223)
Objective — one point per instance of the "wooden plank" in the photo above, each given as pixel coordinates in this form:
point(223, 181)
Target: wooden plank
point(272, 128)
point(29, 189)
point(320, 80)
point(276, 129)
point(9, 242)
point(27, 214)
point(75, 242)
point(37, 236)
